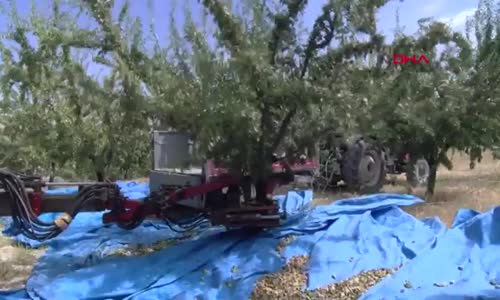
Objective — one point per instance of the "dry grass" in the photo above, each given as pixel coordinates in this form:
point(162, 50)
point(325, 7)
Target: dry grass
point(16, 263)
point(477, 189)
point(4, 241)
point(142, 180)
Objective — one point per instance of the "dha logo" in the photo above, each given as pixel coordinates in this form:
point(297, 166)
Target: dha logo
point(401, 59)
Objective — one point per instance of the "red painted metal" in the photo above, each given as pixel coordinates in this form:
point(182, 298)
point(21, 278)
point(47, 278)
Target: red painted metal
point(217, 179)
point(124, 210)
point(128, 208)
point(212, 170)
point(198, 190)
point(115, 217)
point(124, 213)
point(305, 165)
point(308, 165)
point(36, 202)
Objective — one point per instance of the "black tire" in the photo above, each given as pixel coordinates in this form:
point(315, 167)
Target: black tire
point(417, 172)
point(363, 168)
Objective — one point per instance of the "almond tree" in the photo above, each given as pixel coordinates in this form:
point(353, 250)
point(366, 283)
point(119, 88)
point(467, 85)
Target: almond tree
point(252, 86)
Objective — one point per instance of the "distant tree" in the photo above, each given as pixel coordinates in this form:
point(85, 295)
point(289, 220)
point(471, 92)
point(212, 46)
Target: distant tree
point(481, 119)
point(431, 109)
point(58, 115)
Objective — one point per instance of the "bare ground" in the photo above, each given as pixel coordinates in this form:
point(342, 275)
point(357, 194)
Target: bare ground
point(477, 189)
point(16, 263)
point(461, 187)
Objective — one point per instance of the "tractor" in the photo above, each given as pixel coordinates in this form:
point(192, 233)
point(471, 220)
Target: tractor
point(415, 168)
point(355, 161)
point(362, 163)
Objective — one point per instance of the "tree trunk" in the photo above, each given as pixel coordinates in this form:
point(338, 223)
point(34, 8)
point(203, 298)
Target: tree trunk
point(100, 176)
point(260, 191)
point(437, 156)
point(52, 171)
point(432, 159)
point(431, 183)
point(52, 174)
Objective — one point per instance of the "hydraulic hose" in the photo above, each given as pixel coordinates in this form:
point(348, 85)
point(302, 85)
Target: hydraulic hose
point(26, 219)
point(187, 225)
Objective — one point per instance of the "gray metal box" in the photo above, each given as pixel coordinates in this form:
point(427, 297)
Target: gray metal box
point(174, 164)
point(171, 150)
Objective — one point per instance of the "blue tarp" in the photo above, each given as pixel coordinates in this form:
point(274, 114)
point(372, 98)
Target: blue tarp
point(341, 240)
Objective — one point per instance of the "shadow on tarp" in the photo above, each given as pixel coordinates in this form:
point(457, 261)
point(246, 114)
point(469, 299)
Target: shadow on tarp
point(341, 240)
point(463, 264)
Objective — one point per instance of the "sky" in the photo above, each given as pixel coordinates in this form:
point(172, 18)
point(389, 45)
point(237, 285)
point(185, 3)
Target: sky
point(454, 12)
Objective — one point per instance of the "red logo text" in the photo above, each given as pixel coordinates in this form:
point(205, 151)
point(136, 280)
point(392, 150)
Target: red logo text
point(401, 59)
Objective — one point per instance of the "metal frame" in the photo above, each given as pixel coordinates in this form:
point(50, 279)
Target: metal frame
point(171, 188)
point(44, 203)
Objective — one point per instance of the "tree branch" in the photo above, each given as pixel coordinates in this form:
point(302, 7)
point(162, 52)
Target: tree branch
point(231, 31)
point(316, 39)
point(316, 42)
point(283, 25)
point(284, 127)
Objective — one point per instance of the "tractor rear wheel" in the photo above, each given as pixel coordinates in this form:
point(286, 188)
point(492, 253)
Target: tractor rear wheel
point(363, 168)
point(417, 173)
